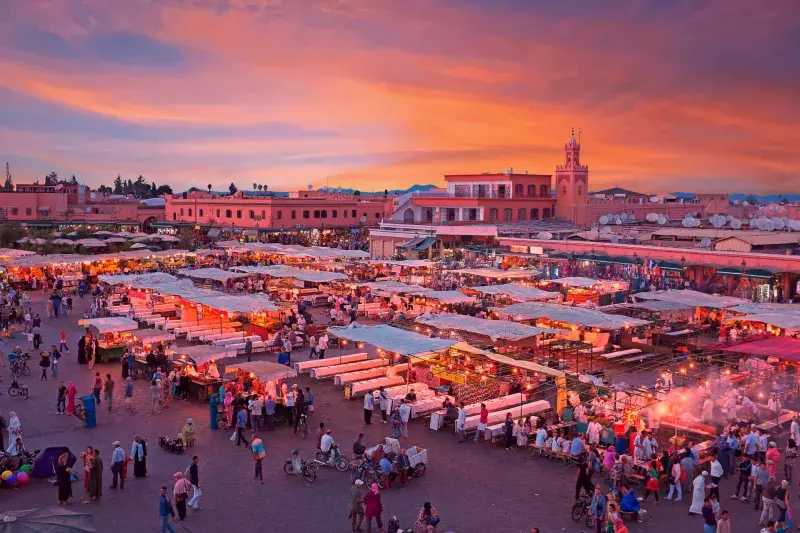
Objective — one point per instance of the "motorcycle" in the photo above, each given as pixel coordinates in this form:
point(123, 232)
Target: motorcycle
point(297, 467)
point(333, 459)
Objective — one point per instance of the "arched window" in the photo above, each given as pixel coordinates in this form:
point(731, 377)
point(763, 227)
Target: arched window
point(508, 214)
point(408, 216)
point(200, 212)
point(521, 212)
point(228, 213)
point(535, 213)
point(493, 213)
point(546, 213)
point(531, 190)
point(518, 189)
point(544, 190)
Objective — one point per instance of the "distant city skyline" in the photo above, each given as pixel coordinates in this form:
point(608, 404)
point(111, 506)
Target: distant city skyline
point(371, 94)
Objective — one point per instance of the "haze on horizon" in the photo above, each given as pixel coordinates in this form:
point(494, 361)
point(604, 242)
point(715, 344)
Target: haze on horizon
point(697, 95)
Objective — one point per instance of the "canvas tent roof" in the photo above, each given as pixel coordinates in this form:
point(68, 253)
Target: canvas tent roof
point(449, 297)
point(782, 347)
point(497, 273)
point(411, 263)
point(149, 335)
point(264, 370)
point(391, 339)
point(110, 324)
point(217, 274)
point(785, 321)
point(575, 281)
point(517, 292)
point(204, 353)
point(494, 329)
point(395, 287)
point(568, 315)
point(693, 298)
point(281, 271)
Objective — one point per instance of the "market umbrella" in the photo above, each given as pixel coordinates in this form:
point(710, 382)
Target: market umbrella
point(45, 520)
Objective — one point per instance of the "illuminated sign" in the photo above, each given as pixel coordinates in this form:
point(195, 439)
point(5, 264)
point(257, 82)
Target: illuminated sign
point(442, 373)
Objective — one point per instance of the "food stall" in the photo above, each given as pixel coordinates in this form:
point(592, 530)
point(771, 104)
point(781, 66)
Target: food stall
point(202, 377)
point(109, 330)
point(592, 292)
point(264, 378)
point(512, 292)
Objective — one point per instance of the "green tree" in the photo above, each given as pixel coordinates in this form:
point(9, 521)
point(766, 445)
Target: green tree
point(163, 189)
point(153, 189)
point(73, 180)
point(67, 214)
point(232, 188)
point(357, 193)
point(51, 179)
point(10, 233)
point(118, 185)
point(105, 189)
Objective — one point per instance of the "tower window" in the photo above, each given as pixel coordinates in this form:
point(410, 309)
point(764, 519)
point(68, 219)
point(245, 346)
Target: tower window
point(531, 190)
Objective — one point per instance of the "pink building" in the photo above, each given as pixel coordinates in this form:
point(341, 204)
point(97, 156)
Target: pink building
point(66, 203)
point(301, 210)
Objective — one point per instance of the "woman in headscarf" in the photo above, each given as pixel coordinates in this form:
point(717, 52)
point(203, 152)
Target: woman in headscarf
point(72, 392)
point(698, 493)
point(373, 507)
point(427, 520)
point(14, 426)
point(88, 469)
point(139, 457)
point(63, 479)
point(187, 433)
point(229, 407)
point(96, 478)
point(82, 350)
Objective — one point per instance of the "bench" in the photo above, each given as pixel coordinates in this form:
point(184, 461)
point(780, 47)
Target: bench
point(620, 353)
point(637, 358)
point(306, 366)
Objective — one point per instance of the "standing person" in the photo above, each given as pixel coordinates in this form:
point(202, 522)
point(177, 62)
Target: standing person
point(309, 400)
point(287, 349)
point(129, 393)
point(97, 387)
point(37, 336)
point(397, 424)
point(82, 350)
point(768, 494)
point(155, 393)
point(288, 401)
point(322, 345)
point(63, 338)
point(258, 457)
point(117, 466)
point(369, 406)
point(508, 430)
point(44, 362)
point(782, 503)
point(165, 511)
point(72, 391)
point(139, 457)
point(675, 478)
point(760, 477)
point(717, 471)
point(597, 509)
point(63, 479)
point(255, 413)
point(108, 390)
point(405, 415)
point(373, 507)
point(194, 479)
point(61, 399)
point(55, 355)
point(96, 479)
point(181, 494)
point(269, 412)
point(773, 456)
point(745, 473)
point(241, 423)
point(724, 523)
point(461, 422)
point(383, 402)
point(789, 458)
point(709, 520)
point(355, 505)
point(299, 405)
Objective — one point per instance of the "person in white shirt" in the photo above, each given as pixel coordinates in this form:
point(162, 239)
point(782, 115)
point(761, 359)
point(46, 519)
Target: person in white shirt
point(794, 430)
point(322, 345)
point(774, 405)
point(326, 442)
point(675, 482)
point(369, 405)
point(461, 422)
point(708, 411)
point(593, 433)
point(405, 414)
point(541, 437)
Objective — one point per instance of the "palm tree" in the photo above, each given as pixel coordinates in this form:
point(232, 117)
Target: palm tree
point(265, 187)
point(260, 187)
point(209, 187)
point(255, 186)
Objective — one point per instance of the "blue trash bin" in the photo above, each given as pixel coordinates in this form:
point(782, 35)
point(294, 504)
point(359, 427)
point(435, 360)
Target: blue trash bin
point(621, 445)
point(91, 411)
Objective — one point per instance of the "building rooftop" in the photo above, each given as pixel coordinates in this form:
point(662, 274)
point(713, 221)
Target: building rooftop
point(614, 191)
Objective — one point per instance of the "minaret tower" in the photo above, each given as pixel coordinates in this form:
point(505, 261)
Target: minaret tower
point(572, 184)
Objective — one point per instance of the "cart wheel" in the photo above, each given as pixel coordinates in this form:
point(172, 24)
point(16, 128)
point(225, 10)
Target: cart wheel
point(13, 391)
point(26, 371)
point(342, 464)
point(420, 470)
point(320, 456)
point(202, 396)
point(289, 469)
point(310, 474)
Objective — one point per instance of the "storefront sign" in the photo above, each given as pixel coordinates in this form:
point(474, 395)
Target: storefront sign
point(454, 377)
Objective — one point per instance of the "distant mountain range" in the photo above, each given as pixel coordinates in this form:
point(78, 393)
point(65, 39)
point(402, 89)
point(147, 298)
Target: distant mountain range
point(397, 192)
point(763, 199)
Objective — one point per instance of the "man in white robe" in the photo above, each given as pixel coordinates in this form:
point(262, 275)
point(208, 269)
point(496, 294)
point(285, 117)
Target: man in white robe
point(708, 411)
point(593, 433)
point(698, 493)
point(795, 429)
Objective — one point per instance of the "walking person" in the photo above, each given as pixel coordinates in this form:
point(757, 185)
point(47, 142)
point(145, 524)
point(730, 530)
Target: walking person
point(129, 393)
point(44, 362)
point(383, 398)
point(373, 507)
point(241, 423)
point(269, 412)
point(63, 338)
point(194, 479)
point(165, 511)
point(675, 479)
point(155, 393)
point(768, 494)
point(790, 456)
point(355, 506)
point(63, 475)
point(322, 345)
point(108, 391)
point(117, 466)
point(97, 387)
point(709, 520)
point(139, 457)
point(461, 423)
point(61, 399)
point(312, 343)
point(745, 473)
point(405, 415)
point(597, 509)
point(717, 471)
point(181, 494)
point(258, 457)
point(55, 355)
point(483, 421)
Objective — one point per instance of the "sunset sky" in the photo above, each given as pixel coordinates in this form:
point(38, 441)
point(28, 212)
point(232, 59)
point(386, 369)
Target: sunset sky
point(671, 95)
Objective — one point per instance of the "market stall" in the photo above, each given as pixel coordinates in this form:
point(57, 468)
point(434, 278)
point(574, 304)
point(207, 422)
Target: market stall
point(111, 343)
point(201, 376)
point(592, 292)
point(514, 292)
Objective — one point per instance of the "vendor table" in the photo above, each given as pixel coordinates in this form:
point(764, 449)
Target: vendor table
point(203, 388)
point(110, 353)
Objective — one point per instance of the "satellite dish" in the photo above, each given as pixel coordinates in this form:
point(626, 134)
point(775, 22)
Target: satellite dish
point(624, 216)
point(654, 199)
point(605, 230)
point(769, 225)
point(631, 217)
point(544, 235)
point(662, 219)
point(736, 223)
point(604, 220)
point(87, 210)
point(618, 221)
point(310, 187)
point(705, 242)
point(614, 239)
point(363, 219)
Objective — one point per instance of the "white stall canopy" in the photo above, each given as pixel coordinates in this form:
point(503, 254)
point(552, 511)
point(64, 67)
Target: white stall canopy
point(693, 298)
point(498, 273)
point(391, 339)
point(567, 315)
point(494, 329)
point(264, 370)
point(517, 292)
point(110, 324)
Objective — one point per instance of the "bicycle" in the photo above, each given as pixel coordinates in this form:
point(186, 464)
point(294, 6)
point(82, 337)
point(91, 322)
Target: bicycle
point(19, 367)
point(18, 389)
point(580, 509)
point(302, 426)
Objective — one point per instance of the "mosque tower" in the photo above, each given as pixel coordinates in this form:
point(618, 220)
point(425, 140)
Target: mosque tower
point(572, 184)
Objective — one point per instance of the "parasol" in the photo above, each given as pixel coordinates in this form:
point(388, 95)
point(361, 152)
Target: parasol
point(45, 520)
